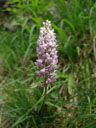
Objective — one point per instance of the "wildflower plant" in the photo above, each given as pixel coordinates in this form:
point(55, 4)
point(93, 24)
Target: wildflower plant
point(47, 55)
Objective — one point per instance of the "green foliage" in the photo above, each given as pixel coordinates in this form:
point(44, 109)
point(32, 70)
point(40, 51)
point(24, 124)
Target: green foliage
point(71, 101)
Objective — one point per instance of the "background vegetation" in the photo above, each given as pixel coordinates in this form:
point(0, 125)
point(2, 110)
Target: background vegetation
point(71, 102)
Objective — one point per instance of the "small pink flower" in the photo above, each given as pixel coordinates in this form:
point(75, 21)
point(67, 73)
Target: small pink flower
point(47, 54)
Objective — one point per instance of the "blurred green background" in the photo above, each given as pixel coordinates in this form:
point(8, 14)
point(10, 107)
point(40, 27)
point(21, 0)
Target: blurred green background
point(71, 102)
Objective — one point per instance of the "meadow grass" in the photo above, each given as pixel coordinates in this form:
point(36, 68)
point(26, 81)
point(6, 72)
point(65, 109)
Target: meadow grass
point(71, 102)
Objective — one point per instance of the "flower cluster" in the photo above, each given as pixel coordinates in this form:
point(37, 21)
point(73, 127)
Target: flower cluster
point(47, 54)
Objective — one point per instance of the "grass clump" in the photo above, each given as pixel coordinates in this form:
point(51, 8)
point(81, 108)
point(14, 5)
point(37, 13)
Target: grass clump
point(71, 102)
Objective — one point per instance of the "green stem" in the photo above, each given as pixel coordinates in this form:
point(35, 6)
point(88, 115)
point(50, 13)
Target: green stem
point(45, 95)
